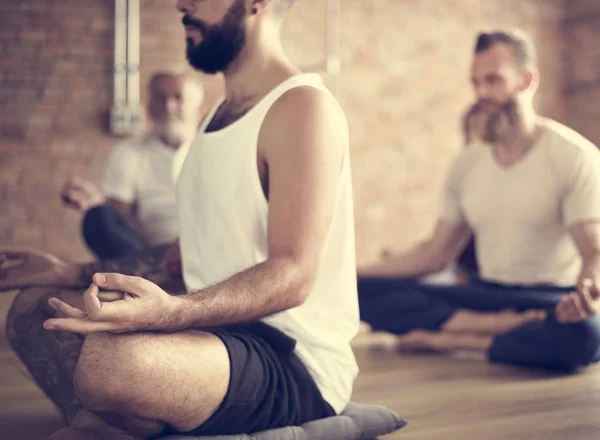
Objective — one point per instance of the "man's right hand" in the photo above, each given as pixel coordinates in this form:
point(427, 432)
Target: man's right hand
point(82, 195)
point(20, 268)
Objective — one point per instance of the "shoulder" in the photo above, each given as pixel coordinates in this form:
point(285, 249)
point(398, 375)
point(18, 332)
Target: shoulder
point(133, 147)
point(304, 107)
point(138, 143)
point(304, 118)
point(568, 153)
point(565, 144)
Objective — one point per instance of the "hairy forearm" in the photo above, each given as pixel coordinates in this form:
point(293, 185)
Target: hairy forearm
point(159, 264)
point(416, 263)
point(263, 290)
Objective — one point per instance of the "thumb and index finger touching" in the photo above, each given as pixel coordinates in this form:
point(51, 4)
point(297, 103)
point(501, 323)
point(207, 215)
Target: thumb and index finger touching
point(111, 310)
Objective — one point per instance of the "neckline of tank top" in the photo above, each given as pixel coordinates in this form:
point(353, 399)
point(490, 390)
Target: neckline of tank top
point(226, 129)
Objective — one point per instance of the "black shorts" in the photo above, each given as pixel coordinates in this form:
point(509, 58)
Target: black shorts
point(269, 385)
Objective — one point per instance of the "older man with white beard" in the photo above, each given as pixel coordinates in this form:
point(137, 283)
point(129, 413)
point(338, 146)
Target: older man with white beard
point(136, 206)
point(529, 192)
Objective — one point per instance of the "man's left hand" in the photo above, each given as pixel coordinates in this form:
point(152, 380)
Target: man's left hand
point(144, 306)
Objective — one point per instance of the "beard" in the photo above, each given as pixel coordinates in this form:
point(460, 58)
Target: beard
point(221, 43)
point(497, 125)
point(171, 131)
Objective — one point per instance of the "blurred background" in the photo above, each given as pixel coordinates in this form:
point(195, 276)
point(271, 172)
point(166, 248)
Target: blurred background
point(404, 83)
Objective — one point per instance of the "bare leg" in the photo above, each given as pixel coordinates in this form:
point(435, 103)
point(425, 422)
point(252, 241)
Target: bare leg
point(428, 341)
point(466, 330)
point(178, 378)
point(88, 426)
point(51, 358)
point(467, 321)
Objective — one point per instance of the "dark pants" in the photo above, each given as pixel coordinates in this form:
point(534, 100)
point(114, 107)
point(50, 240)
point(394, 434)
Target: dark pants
point(109, 234)
point(399, 306)
point(467, 261)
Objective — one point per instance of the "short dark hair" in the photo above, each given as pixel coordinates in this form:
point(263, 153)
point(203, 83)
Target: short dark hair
point(517, 39)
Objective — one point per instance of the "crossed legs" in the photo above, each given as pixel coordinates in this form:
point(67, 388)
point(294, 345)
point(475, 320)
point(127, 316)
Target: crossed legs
point(128, 385)
point(511, 325)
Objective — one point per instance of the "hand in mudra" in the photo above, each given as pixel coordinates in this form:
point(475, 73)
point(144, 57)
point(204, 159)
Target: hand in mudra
point(27, 268)
point(581, 304)
point(82, 195)
point(130, 304)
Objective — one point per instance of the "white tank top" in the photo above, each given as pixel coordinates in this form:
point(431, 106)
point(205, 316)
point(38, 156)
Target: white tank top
point(223, 221)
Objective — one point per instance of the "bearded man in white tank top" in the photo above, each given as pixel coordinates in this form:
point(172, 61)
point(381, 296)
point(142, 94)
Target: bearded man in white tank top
point(268, 260)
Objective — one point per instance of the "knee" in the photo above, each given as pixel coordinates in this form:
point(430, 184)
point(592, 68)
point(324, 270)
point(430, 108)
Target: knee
point(582, 347)
point(108, 371)
point(27, 314)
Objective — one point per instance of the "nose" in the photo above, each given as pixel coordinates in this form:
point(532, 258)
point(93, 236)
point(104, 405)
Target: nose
point(183, 6)
point(482, 92)
point(171, 105)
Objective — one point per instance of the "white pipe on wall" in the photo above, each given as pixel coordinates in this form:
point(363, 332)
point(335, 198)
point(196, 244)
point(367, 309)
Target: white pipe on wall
point(133, 54)
point(120, 57)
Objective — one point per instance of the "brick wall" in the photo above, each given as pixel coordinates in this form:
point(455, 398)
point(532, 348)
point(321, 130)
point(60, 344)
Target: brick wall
point(55, 93)
point(404, 85)
point(582, 89)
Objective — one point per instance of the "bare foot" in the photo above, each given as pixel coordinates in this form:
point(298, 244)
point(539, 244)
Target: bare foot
point(107, 425)
point(423, 341)
point(416, 341)
point(84, 434)
point(467, 321)
point(26, 268)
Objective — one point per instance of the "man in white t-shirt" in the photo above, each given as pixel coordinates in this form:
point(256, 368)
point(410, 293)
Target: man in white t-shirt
point(262, 338)
point(529, 191)
point(136, 206)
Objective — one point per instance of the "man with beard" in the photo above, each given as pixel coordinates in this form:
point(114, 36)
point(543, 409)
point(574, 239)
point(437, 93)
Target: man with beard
point(267, 246)
point(136, 207)
point(529, 193)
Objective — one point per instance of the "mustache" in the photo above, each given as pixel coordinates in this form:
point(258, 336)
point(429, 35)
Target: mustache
point(186, 20)
point(479, 105)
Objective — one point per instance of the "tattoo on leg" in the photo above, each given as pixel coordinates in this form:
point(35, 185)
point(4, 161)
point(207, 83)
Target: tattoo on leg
point(50, 357)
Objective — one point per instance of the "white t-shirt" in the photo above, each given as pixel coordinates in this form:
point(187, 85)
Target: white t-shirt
point(143, 171)
point(223, 214)
point(520, 214)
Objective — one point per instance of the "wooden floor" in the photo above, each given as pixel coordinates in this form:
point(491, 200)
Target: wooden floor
point(446, 398)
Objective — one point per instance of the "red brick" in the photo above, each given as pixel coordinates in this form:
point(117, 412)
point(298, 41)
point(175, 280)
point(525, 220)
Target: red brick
point(404, 85)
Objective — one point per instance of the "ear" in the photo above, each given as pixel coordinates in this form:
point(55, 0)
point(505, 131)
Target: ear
point(531, 80)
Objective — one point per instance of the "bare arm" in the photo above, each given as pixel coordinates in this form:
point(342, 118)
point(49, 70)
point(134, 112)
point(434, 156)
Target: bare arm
point(586, 236)
point(444, 247)
point(303, 141)
point(302, 144)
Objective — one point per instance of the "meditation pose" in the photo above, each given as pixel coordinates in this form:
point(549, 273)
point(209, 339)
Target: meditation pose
point(261, 337)
point(136, 207)
point(529, 193)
